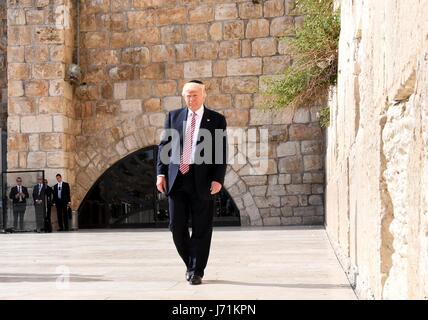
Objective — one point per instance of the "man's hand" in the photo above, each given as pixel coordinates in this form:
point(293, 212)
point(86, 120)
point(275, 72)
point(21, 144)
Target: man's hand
point(215, 187)
point(161, 184)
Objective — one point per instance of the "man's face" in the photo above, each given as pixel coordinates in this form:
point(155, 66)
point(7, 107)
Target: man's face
point(194, 97)
point(39, 180)
point(45, 181)
point(59, 179)
point(18, 182)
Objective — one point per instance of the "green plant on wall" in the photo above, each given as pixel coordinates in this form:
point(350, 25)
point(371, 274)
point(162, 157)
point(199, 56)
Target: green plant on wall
point(314, 52)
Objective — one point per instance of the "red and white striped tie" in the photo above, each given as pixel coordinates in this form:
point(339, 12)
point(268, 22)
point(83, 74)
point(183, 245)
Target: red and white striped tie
point(188, 143)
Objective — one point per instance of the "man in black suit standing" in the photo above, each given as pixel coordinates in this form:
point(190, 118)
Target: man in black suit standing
point(191, 168)
point(61, 196)
point(39, 203)
point(48, 201)
point(19, 195)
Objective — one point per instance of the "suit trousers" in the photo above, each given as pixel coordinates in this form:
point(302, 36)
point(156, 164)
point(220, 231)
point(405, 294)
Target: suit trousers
point(18, 215)
point(184, 204)
point(61, 211)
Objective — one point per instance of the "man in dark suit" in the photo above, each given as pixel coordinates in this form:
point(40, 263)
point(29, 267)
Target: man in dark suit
point(48, 201)
point(39, 203)
point(191, 169)
point(19, 195)
point(61, 196)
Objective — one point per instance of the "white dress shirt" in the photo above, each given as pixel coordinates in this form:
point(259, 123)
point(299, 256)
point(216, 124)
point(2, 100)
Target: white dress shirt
point(59, 190)
point(199, 114)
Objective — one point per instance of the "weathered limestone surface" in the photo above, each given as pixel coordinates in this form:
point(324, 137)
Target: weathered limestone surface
point(377, 154)
point(42, 123)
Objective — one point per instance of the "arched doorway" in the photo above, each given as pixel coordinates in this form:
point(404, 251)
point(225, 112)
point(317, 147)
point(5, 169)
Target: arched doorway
point(125, 196)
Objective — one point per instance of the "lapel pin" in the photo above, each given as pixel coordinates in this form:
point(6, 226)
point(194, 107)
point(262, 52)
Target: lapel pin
point(208, 120)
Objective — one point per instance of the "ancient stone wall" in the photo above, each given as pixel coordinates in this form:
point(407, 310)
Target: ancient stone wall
point(377, 154)
point(41, 118)
point(136, 55)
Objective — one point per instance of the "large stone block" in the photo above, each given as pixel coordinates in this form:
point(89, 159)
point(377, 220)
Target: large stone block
point(152, 105)
point(206, 51)
point(49, 35)
point(119, 91)
point(16, 17)
point(36, 160)
point(37, 88)
point(264, 47)
point(219, 68)
point(305, 132)
point(57, 159)
point(48, 71)
point(37, 53)
point(171, 103)
point(169, 16)
point(141, 19)
point(274, 8)
point(164, 88)
point(313, 162)
point(244, 66)
point(216, 31)
point(131, 106)
point(15, 53)
point(233, 30)
point(153, 71)
point(240, 85)
point(19, 35)
point(298, 189)
point(171, 34)
point(162, 53)
point(276, 65)
point(198, 69)
point(174, 71)
point(291, 164)
point(255, 180)
point(157, 119)
point(51, 141)
point(226, 11)
point(20, 106)
point(290, 148)
point(15, 88)
point(257, 28)
point(145, 36)
point(282, 26)
point(229, 49)
point(219, 102)
point(250, 10)
point(260, 117)
point(18, 142)
point(36, 17)
point(18, 71)
point(237, 118)
point(311, 147)
point(201, 14)
point(49, 105)
point(35, 124)
point(196, 32)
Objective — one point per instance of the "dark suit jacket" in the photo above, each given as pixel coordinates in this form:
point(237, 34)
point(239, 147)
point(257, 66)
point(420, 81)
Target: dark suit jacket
point(65, 193)
point(205, 173)
point(14, 192)
point(38, 195)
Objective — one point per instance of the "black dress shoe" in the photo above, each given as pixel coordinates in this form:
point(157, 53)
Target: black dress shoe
point(188, 275)
point(194, 280)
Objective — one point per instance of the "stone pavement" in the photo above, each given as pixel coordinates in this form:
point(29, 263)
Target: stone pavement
point(245, 263)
